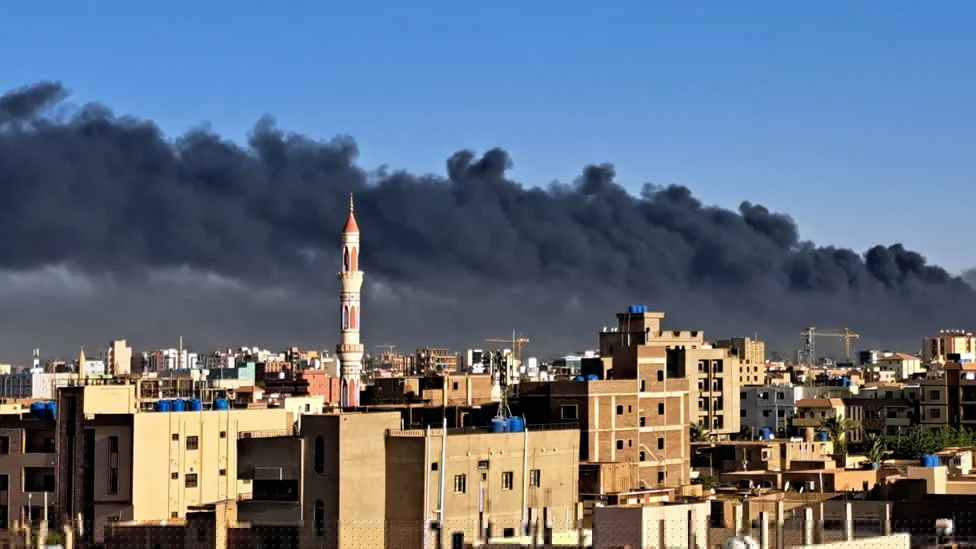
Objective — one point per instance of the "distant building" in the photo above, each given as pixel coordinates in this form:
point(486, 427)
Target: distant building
point(937, 349)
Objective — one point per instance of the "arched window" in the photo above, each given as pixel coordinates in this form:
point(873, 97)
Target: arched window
point(319, 518)
point(345, 317)
point(318, 460)
point(345, 260)
point(354, 259)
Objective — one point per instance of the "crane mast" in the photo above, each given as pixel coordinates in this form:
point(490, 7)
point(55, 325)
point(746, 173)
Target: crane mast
point(812, 334)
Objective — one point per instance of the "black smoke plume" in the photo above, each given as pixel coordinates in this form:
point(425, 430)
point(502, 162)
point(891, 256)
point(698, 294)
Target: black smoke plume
point(112, 230)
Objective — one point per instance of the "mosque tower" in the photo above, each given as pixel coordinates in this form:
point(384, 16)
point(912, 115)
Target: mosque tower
point(350, 351)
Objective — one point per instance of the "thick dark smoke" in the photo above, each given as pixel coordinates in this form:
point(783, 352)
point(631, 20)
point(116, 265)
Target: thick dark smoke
point(111, 230)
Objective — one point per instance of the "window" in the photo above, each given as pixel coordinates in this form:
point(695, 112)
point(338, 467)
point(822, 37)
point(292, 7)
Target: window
point(629, 409)
point(642, 385)
point(460, 484)
point(113, 445)
point(319, 518)
point(535, 478)
point(176, 436)
point(781, 413)
point(433, 466)
point(455, 387)
point(642, 455)
point(780, 395)
point(191, 480)
point(660, 443)
point(620, 410)
point(620, 444)
point(113, 480)
point(630, 443)
point(643, 421)
point(742, 396)
point(174, 476)
point(660, 409)
point(660, 477)
point(742, 413)
point(508, 480)
point(223, 472)
point(934, 395)
point(4, 445)
point(223, 434)
point(193, 443)
point(569, 411)
point(935, 413)
point(483, 464)
point(660, 375)
point(765, 413)
point(319, 458)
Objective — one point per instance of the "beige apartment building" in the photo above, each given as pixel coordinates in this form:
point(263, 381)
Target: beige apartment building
point(752, 359)
point(936, 349)
point(356, 480)
point(117, 462)
point(714, 372)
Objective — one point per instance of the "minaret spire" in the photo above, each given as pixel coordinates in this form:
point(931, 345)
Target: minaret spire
point(350, 351)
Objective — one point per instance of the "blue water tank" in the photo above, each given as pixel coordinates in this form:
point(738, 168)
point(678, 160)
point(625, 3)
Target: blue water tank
point(498, 425)
point(632, 309)
point(592, 377)
point(51, 410)
point(930, 460)
point(195, 405)
point(515, 425)
point(846, 382)
point(163, 406)
point(643, 309)
point(822, 437)
point(179, 405)
point(38, 410)
point(765, 434)
point(221, 404)
point(579, 378)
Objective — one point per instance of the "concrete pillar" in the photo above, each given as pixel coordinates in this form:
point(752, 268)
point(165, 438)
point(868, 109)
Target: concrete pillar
point(818, 532)
point(692, 529)
point(662, 534)
point(886, 519)
point(69, 537)
point(808, 526)
point(738, 513)
point(780, 524)
point(42, 535)
point(848, 522)
point(580, 544)
point(764, 529)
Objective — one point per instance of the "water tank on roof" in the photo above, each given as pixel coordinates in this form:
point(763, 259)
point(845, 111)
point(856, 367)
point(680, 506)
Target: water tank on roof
point(632, 309)
point(846, 382)
point(163, 406)
point(195, 405)
point(643, 309)
point(930, 460)
point(51, 410)
point(822, 437)
point(498, 425)
point(765, 434)
point(515, 425)
point(592, 377)
point(579, 378)
point(221, 404)
point(179, 405)
point(38, 410)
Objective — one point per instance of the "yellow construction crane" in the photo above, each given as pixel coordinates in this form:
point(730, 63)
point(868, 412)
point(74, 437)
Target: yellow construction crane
point(812, 334)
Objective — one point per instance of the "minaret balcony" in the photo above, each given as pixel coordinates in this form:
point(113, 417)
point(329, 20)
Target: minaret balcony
point(351, 275)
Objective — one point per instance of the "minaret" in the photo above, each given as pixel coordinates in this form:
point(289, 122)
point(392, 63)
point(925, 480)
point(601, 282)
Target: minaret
point(350, 351)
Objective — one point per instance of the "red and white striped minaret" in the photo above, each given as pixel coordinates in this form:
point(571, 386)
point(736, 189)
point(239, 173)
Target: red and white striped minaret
point(350, 351)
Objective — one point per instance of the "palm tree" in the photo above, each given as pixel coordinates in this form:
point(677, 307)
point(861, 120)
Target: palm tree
point(877, 449)
point(699, 433)
point(837, 429)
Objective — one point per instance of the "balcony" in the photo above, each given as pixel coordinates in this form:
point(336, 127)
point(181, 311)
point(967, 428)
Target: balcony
point(272, 503)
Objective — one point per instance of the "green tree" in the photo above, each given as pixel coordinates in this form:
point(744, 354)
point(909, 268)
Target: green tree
point(699, 433)
point(877, 448)
point(837, 429)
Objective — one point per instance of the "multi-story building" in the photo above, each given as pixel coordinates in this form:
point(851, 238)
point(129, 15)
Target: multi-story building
point(752, 359)
point(358, 480)
point(934, 403)
point(118, 358)
point(811, 412)
point(902, 365)
point(770, 407)
point(882, 416)
point(116, 461)
point(27, 463)
point(949, 342)
point(714, 372)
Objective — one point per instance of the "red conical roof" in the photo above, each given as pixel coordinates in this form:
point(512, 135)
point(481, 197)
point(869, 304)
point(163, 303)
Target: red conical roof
point(351, 226)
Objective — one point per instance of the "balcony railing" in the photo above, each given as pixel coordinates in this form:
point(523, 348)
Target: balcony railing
point(277, 433)
point(479, 430)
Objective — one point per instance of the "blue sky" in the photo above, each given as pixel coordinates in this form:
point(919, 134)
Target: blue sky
point(857, 118)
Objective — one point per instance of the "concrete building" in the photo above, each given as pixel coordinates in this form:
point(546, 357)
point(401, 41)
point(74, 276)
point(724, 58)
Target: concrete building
point(634, 426)
point(27, 463)
point(933, 408)
point(949, 342)
point(770, 407)
point(436, 390)
point(887, 416)
point(29, 384)
point(717, 378)
point(902, 365)
point(118, 358)
point(752, 358)
point(333, 482)
point(811, 412)
point(117, 462)
point(350, 352)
